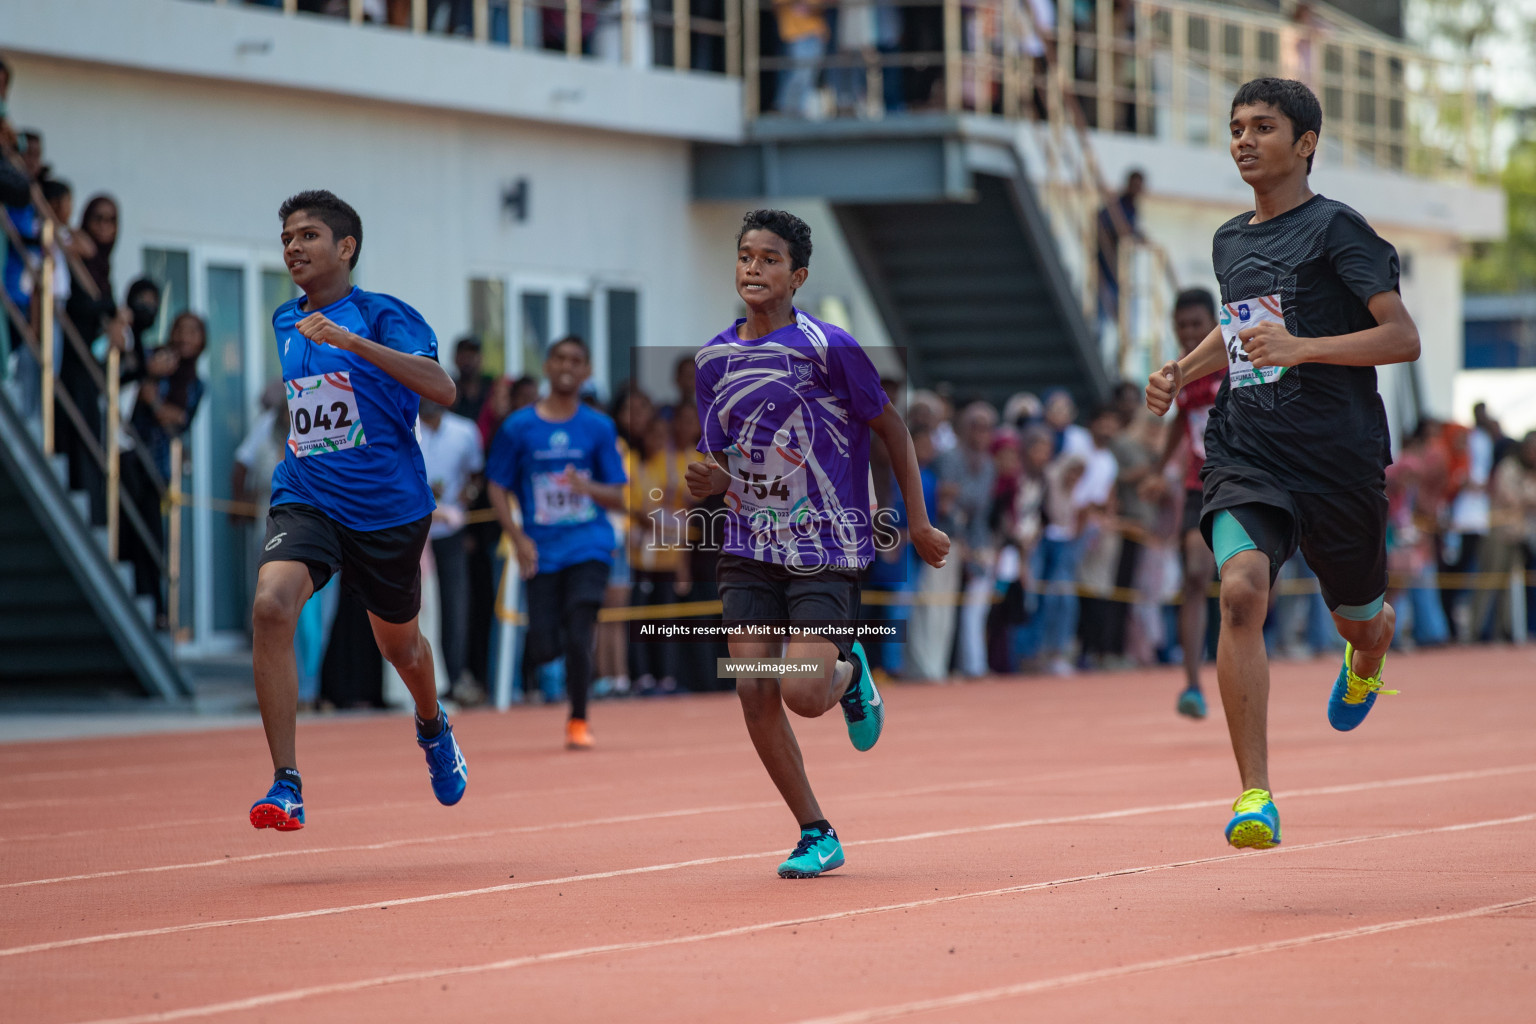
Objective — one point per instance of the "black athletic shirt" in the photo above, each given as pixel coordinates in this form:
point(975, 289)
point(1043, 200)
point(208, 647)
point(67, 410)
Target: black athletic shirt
point(1318, 428)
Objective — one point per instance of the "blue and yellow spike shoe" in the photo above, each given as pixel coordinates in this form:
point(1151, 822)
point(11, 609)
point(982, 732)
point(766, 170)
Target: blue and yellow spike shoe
point(1192, 703)
point(817, 851)
point(445, 763)
point(1256, 823)
point(282, 808)
point(1353, 695)
point(863, 709)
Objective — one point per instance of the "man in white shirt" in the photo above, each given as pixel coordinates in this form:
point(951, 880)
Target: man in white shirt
point(450, 449)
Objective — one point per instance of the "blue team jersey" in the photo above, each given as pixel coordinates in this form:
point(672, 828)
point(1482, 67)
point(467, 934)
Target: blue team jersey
point(352, 450)
point(529, 457)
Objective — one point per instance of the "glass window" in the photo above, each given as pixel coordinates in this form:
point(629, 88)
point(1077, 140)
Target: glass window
point(276, 288)
point(171, 270)
point(623, 333)
point(533, 330)
point(224, 407)
point(488, 322)
point(578, 317)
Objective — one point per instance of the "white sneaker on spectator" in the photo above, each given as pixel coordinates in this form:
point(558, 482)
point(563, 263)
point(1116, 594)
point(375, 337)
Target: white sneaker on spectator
point(1062, 667)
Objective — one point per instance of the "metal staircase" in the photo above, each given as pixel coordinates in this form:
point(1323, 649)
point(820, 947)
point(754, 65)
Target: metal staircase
point(68, 615)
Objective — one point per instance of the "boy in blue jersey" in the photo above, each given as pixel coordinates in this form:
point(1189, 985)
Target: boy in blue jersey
point(1296, 443)
point(560, 459)
point(351, 494)
point(787, 404)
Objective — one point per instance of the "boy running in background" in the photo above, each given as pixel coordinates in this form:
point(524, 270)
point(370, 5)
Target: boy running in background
point(351, 494)
point(1194, 317)
point(787, 404)
point(1297, 446)
point(560, 459)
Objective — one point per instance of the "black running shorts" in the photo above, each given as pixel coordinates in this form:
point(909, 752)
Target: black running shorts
point(753, 591)
point(1343, 534)
point(381, 567)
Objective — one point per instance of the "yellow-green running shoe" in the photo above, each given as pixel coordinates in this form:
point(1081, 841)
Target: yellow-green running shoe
point(1353, 695)
point(1256, 823)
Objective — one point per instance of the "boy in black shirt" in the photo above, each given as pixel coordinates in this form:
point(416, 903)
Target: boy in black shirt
point(1296, 446)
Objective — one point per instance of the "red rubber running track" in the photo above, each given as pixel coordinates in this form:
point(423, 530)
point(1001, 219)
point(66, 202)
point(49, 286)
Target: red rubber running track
point(1035, 849)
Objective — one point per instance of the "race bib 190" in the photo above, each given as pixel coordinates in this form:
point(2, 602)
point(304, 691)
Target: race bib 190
point(1238, 316)
point(322, 415)
point(556, 504)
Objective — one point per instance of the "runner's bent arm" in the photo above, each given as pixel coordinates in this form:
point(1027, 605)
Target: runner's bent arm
point(609, 496)
point(1206, 358)
point(1394, 339)
point(527, 551)
point(706, 478)
point(422, 374)
point(932, 544)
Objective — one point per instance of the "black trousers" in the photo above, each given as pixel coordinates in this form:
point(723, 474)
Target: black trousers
point(562, 615)
point(138, 490)
point(658, 659)
point(452, 560)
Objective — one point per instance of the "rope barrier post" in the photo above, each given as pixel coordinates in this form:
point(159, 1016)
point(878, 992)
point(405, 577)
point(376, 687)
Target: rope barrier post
point(509, 652)
point(44, 294)
point(733, 38)
point(627, 32)
point(1517, 610)
point(681, 59)
point(573, 28)
point(515, 15)
point(751, 62)
point(173, 556)
point(114, 450)
point(953, 65)
point(482, 20)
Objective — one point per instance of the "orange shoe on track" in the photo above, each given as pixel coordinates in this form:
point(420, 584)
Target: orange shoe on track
point(577, 735)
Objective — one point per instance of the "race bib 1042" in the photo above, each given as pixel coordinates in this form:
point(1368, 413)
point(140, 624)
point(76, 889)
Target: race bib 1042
point(1238, 316)
point(322, 415)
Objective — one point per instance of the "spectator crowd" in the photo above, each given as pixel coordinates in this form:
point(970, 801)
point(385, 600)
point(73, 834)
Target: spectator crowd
point(158, 350)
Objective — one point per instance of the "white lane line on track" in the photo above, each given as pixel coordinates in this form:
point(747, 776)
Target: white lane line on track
point(87, 940)
point(992, 995)
point(295, 995)
point(946, 787)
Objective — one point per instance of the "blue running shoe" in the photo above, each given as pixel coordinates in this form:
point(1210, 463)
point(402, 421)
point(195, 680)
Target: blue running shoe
point(863, 709)
point(445, 763)
point(1256, 825)
point(282, 808)
point(817, 851)
point(1352, 695)
point(1192, 704)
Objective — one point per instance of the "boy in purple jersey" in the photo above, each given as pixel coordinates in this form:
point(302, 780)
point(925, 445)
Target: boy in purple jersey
point(787, 404)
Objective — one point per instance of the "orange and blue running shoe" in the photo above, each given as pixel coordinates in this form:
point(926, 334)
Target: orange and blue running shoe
point(1256, 823)
point(1353, 695)
point(282, 808)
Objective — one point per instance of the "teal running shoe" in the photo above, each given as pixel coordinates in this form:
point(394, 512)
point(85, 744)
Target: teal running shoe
point(1353, 695)
point(282, 808)
point(863, 709)
point(818, 850)
point(1192, 704)
point(1256, 825)
point(445, 763)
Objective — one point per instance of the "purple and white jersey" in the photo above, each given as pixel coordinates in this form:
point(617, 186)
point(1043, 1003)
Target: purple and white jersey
point(791, 411)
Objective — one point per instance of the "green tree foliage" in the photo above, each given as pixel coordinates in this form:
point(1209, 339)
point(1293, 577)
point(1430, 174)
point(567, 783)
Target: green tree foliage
point(1509, 265)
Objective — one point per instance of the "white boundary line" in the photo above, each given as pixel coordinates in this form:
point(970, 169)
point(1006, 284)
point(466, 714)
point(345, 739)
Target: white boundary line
point(295, 995)
point(945, 787)
point(1147, 966)
point(297, 915)
point(623, 819)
